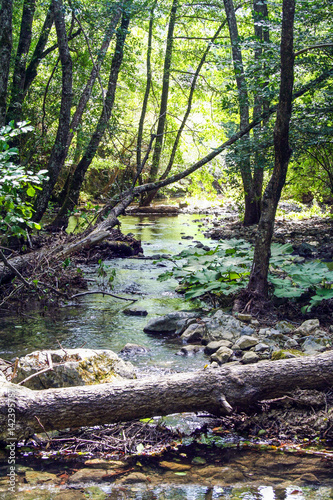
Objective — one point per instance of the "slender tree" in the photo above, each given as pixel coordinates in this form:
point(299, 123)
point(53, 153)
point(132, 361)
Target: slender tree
point(258, 279)
point(73, 193)
point(59, 150)
point(6, 14)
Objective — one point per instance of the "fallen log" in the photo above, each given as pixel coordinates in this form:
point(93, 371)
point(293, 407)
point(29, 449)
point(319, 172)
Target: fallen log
point(218, 391)
point(95, 236)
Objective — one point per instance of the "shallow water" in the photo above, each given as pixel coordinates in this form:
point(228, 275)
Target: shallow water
point(99, 322)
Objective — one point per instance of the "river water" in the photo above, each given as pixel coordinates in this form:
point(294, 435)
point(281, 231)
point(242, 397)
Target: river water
point(99, 322)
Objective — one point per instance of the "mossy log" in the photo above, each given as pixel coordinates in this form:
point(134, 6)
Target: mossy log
point(219, 391)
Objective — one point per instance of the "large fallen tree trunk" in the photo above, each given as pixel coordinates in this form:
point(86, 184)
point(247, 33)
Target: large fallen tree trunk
point(216, 390)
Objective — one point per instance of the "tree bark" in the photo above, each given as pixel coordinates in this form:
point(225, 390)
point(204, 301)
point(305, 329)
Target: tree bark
point(17, 94)
point(59, 151)
point(258, 278)
point(146, 200)
point(6, 13)
point(218, 391)
point(31, 71)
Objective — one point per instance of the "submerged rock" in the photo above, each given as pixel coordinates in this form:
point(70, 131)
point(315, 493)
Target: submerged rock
point(134, 349)
point(135, 311)
point(73, 367)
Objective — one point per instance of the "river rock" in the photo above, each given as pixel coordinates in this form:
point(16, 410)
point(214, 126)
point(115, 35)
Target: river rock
point(190, 350)
point(250, 357)
point(307, 327)
point(284, 327)
point(41, 477)
point(133, 349)
point(244, 317)
point(222, 326)
point(291, 344)
point(193, 333)
point(87, 475)
point(261, 347)
point(222, 355)
point(313, 345)
point(174, 466)
point(175, 322)
point(247, 330)
point(245, 342)
point(215, 345)
point(135, 311)
point(72, 367)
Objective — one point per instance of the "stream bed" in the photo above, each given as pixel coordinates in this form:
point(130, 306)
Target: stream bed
point(99, 322)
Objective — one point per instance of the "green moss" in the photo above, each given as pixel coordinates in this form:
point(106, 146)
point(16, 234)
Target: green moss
point(283, 354)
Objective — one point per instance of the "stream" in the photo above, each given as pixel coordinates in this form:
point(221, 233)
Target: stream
point(99, 322)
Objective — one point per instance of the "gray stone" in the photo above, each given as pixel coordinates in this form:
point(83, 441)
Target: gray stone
point(222, 326)
point(215, 345)
point(283, 327)
point(133, 349)
point(312, 345)
point(261, 347)
point(74, 367)
point(308, 327)
point(170, 323)
point(222, 355)
point(135, 311)
point(275, 335)
point(190, 350)
point(250, 357)
point(247, 330)
point(291, 344)
point(245, 342)
point(193, 333)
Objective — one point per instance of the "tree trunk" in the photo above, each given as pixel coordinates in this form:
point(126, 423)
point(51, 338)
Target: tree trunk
point(251, 203)
point(147, 199)
point(59, 151)
point(72, 196)
point(258, 279)
point(218, 391)
point(17, 94)
point(6, 13)
point(31, 71)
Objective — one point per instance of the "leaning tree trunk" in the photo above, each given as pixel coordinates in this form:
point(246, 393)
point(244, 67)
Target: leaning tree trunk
point(258, 279)
point(219, 391)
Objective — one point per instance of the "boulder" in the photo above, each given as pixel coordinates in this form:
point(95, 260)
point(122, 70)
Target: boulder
point(193, 333)
point(175, 322)
point(314, 345)
point(307, 327)
point(133, 349)
point(245, 342)
point(222, 326)
point(222, 355)
point(73, 367)
point(261, 347)
point(215, 345)
point(250, 357)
